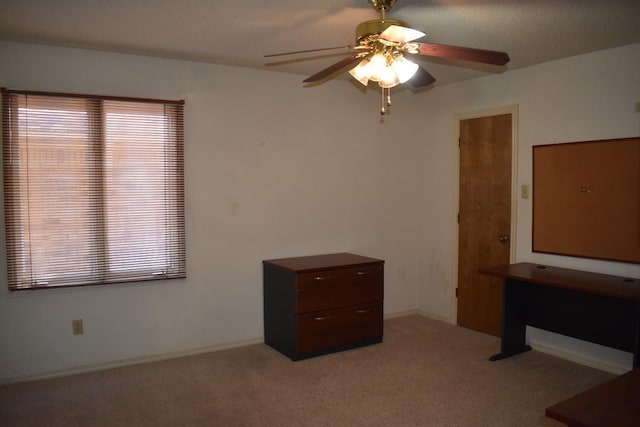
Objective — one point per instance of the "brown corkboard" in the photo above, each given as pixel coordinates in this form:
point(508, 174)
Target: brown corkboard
point(586, 199)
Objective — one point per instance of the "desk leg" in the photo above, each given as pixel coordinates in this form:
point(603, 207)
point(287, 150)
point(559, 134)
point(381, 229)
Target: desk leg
point(514, 325)
point(636, 345)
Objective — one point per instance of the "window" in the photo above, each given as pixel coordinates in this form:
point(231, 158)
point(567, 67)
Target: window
point(93, 189)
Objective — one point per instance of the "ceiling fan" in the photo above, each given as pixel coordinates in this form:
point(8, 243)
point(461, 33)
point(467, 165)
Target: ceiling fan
point(382, 49)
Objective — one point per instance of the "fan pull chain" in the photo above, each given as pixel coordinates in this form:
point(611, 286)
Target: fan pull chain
point(385, 103)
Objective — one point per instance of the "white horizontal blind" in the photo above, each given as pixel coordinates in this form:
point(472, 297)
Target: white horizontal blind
point(94, 189)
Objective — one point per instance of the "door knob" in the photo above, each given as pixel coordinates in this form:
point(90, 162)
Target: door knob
point(503, 238)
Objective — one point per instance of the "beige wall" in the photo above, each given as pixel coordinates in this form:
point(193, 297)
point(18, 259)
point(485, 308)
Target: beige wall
point(588, 97)
point(275, 169)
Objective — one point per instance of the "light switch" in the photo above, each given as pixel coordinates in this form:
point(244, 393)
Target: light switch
point(524, 191)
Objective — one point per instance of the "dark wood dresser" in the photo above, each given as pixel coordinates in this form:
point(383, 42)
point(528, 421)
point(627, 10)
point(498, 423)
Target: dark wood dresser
point(321, 304)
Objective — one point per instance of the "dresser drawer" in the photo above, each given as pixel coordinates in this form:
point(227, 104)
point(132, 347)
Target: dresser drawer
point(326, 289)
point(334, 328)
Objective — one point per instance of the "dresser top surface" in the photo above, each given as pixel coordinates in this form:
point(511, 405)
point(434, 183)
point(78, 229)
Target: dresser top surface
point(319, 262)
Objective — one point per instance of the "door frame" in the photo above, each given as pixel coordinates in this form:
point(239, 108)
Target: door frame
point(458, 117)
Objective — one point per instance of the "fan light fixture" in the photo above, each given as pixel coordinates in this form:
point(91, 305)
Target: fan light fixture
point(381, 50)
point(388, 69)
point(385, 62)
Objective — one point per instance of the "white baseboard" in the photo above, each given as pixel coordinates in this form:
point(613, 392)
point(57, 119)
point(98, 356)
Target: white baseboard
point(130, 362)
point(579, 358)
point(159, 357)
point(419, 313)
point(401, 314)
point(542, 347)
point(538, 346)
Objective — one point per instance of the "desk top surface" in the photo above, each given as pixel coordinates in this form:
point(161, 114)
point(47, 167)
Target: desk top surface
point(575, 280)
point(613, 403)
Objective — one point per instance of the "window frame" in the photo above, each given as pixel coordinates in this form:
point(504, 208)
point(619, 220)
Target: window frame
point(171, 206)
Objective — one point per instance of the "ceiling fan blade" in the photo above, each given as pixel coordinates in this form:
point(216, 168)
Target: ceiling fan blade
point(464, 53)
point(348, 48)
point(398, 34)
point(421, 78)
point(332, 69)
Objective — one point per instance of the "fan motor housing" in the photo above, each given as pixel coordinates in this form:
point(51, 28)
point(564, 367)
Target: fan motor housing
point(382, 4)
point(375, 27)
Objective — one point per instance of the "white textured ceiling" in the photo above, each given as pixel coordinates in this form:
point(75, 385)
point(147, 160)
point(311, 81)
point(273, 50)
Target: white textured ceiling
point(240, 32)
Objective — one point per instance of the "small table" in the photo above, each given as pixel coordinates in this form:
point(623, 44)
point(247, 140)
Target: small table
point(615, 403)
point(594, 307)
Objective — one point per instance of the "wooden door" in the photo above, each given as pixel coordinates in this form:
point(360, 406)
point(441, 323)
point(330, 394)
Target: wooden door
point(484, 219)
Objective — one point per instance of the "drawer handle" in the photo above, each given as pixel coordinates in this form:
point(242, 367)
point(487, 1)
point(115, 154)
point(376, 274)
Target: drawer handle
point(320, 318)
point(363, 273)
point(320, 278)
point(363, 311)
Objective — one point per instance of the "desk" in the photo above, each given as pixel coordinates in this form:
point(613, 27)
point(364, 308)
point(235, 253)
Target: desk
point(594, 307)
point(612, 404)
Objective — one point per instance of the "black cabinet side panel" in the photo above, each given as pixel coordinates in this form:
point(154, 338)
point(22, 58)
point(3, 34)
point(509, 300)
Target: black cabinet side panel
point(279, 309)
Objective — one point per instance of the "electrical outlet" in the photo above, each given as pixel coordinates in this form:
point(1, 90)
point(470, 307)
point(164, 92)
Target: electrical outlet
point(77, 327)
